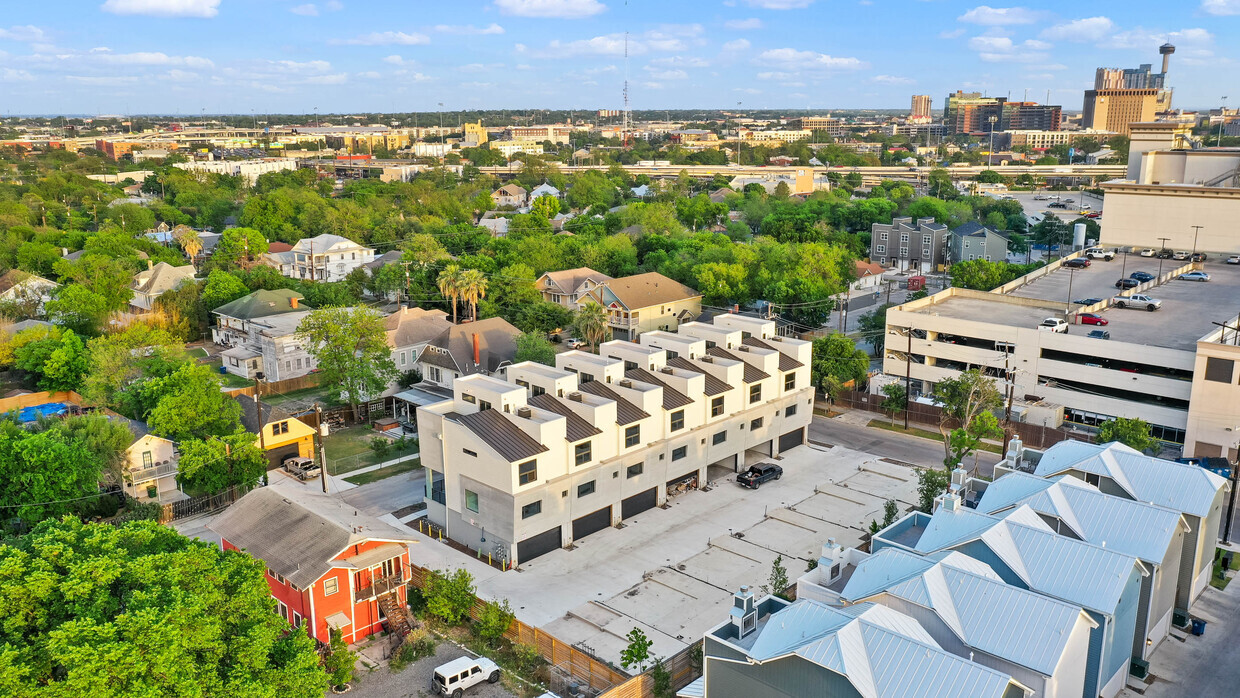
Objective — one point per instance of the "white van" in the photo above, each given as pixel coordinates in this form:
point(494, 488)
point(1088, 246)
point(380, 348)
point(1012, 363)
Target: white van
point(453, 678)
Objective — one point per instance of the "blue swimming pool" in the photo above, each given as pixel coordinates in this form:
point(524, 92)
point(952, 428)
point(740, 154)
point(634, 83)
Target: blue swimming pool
point(48, 409)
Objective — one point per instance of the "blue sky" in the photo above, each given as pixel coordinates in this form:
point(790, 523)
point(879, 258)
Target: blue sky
point(237, 56)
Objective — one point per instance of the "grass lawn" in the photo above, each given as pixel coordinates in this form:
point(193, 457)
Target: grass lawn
point(375, 475)
point(927, 434)
point(305, 395)
point(197, 353)
point(349, 449)
point(227, 379)
point(1217, 581)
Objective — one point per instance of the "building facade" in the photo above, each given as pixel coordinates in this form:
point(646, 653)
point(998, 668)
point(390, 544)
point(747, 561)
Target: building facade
point(150, 470)
point(1113, 109)
point(976, 241)
point(524, 462)
point(909, 245)
point(644, 303)
point(151, 283)
point(323, 258)
point(569, 286)
point(921, 107)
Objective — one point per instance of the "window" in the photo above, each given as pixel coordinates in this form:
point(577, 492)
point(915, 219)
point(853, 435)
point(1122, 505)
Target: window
point(585, 488)
point(716, 406)
point(755, 424)
point(629, 365)
point(147, 459)
point(719, 438)
point(280, 427)
point(523, 384)
point(296, 619)
point(483, 405)
point(755, 393)
point(586, 378)
point(903, 251)
point(1219, 370)
point(633, 470)
point(581, 453)
point(527, 472)
point(882, 236)
point(468, 452)
point(681, 452)
point(469, 398)
point(672, 354)
point(471, 501)
point(281, 609)
point(632, 435)
point(904, 238)
point(881, 249)
point(925, 239)
point(678, 420)
point(331, 585)
point(710, 344)
point(531, 509)
point(791, 410)
point(790, 381)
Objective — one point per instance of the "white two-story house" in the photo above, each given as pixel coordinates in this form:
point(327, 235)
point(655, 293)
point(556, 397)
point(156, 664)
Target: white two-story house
point(322, 258)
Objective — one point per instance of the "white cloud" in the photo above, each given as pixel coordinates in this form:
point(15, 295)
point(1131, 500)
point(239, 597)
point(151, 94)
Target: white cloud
point(469, 29)
point(681, 61)
point(611, 45)
point(1220, 7)
point(743, 24)
point(953, 34)
point(673, 74)
point(559, 9)
point(747, 90)
point(480, 67)
point(667, 38)
point(652, 85)
point(775, 75)
point(736, 45)
point(307, 10)
point(1087, 30)
point(369, 75)
point(999, 16)
point(394, 60)
point(163, 8)
point(1190, 40)
point(333, 5)
point(151, 58)
point(780, 4)
point(386, 39)
point(181, 76)
point(334, 79)
point(13, 75)
point(892, 80)
point(792, 59)
point(27, 33)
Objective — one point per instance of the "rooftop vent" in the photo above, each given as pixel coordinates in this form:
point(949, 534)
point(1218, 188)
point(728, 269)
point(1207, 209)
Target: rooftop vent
point(626, 383)
point(524, 412)
point(574, 396)
point(667, 370)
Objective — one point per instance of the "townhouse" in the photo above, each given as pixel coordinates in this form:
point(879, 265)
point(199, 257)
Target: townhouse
point(908, 245)
point(533, 457)
point(976, 241)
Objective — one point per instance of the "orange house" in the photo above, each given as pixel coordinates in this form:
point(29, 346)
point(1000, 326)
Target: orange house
point(328, 565)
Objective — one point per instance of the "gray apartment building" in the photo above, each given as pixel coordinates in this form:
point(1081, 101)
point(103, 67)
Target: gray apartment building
point(976, 241)
point(919, 246)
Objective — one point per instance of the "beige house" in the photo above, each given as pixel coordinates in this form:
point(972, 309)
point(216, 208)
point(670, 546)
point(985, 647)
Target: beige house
point(509, 195)
point(644, 303)
point(150, 472)
point(568, 286)
point(156, 280)
point(526, 460)
point(481, 347)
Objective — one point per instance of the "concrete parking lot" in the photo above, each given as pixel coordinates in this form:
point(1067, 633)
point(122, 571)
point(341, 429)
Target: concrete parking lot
point(415, 680)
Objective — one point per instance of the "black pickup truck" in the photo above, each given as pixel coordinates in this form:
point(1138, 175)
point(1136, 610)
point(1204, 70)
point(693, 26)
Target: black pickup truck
point(758, 474)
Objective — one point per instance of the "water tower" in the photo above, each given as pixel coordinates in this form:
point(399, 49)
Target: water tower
point(1165, 51)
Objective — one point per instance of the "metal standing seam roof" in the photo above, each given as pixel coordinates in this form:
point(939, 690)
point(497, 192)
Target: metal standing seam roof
point(1142, 530)
point(626, 412)
point(786, 363)
point(503, 436)
point(577, 428)
point(891, 566)
point(714, 386)
point(883, 653)
point(1186, 488)
point(672, 398)
point(753, 374)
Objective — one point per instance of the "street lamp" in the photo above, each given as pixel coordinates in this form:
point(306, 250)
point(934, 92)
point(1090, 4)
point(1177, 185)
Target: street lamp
point(1196, 232)
point(1160, 255)
point(990, 157)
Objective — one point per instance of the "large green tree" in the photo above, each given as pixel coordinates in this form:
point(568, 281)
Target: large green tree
point(45, 473)
point(215, 464)
point(836, 356)
point(963, 399)
point(221, 288)
point(535, 347)
point(1130, 431)
point(188, 404)
point(350, 350)
point(139, 610)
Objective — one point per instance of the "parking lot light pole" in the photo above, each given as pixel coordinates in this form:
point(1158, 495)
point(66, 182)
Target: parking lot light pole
point(1160, 255)
point(1071, 276)
point(1196, 232)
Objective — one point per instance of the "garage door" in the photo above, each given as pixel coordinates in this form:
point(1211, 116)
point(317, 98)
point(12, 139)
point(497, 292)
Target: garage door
point(591, 523)
point(792, 439)
point(638, 503)
point(276, 456)
point(540, 544)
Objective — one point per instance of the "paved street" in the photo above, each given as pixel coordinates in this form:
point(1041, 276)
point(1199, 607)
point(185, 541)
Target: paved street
point(888, 444)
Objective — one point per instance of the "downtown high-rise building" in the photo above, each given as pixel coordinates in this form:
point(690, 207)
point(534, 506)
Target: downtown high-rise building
point(920, 107)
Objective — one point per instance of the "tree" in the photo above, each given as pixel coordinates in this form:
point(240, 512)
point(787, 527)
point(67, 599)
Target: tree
point(836, 355)
point(170, 616)
point(44, 466)
point(1051, 231)
point(494, 620)
point(58, 358)
point(782, 191)
point(535, 347)
point(546, 206)
point(339, 661)
point(963, 398)
point(891, 511)
point(592, 324)
point(660, 680)
point(238, 246)
point(473, 288)
point(931, 482)
point(449, 596)
point(873, 327)
point(542, 317)
point(965, 440)
point(221, 288)
point(1132, 432)
point(188, 404)
point(78, 308)
point(189, 241)
point(449, 283)
point(895, 400)
point(778, 582)
point(214, 465)
point(121, 360)
point(989, 177)
point(637, 653)
point(350, 349)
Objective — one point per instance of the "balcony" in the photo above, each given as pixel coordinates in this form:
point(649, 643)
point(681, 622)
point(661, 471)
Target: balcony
point(380, 586)
point(140, 475)
point(623, 322)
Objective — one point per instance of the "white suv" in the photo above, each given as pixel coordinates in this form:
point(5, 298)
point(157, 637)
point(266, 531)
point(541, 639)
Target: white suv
point(453, 678)
point(1054, 324)
point(1099, 253)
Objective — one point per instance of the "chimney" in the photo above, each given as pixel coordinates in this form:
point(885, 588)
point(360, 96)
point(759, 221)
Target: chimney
point(948, 501)
point(292, 302)
point(829, 562)
point(743, 615)
point(477, 351)
point(958, 477)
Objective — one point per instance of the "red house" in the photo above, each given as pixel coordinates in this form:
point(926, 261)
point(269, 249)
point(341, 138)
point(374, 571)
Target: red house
point(328, 565)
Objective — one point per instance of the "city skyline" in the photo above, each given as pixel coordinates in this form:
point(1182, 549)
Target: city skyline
point(288, 56)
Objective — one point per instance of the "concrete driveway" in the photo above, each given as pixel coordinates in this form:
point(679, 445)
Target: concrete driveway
point(415, 680)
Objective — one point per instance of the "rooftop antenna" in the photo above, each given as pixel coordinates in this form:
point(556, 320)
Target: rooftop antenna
point(627, 117)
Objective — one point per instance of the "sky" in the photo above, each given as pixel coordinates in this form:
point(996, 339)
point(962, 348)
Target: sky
point(341, 56)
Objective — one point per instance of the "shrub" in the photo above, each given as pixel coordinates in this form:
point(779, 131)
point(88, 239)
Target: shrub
point(494, 621)
point(419, 643)
point(449, 597)
point(380, 445)
point(527, 657)
point(661, 679)
point(339, 661)
point(416, 599)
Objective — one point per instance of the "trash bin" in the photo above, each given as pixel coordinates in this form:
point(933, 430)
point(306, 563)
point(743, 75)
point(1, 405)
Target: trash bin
point(1199, 626)
point(1227, 560)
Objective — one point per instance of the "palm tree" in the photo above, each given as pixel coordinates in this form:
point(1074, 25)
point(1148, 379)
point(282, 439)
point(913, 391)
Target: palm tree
point(189, 241)
point(449, 283)
point(592, 324)
point(473, 289)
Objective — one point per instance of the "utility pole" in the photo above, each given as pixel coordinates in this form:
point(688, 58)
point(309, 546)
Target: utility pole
point(318, 440)
point(1196, 232)
point(258, 404)
point(1160, 257)
point(1011, 389)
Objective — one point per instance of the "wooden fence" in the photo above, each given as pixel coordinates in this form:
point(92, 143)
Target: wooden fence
point(310, 380)
point(205, 504)
point(18, 402)
point(679, 665)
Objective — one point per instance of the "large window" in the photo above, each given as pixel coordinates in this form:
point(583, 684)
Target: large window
point(755, 393)
point(471, 501)
point(790, 410)
point(719, 438)
point(790, 380)
point(678, 420)
point(633, 470)
point(531, 509)
point(527, 472)
point(680, 452)
point(716, 406)
point(581, 453)
point(755, 423)
point(632, 435)
point(585, 488)
point(331, 585)
point(1219, 370)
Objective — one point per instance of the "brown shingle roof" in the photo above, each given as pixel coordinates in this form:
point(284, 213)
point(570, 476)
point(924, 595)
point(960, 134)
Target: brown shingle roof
point(786, 363)
point(672, 398)
point(714, 386)
point(569, 279)
point(409, 326)
point(506, 438)
point(652, 288)
point(577, 428)
point(626, 412)
point(753, 374)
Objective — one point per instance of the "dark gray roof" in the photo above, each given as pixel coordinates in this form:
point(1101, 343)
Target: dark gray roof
point(249, 413)
point(298, 534)
point(975, 229)
point(753, 374)
point(626, 412)
point(672, 398)
point(497, 346)
point(786, 363)
point(714, 386)
point(577, 429)
point(506, 438)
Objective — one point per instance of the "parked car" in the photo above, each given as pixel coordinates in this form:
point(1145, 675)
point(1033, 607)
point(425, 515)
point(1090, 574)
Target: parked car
point(1148, 252)
point(1126, 284)
point(1165, 254)
point(1087, 301)
point(1039, 197)
point(1092, 319)
point(1141, 276)
point(1234, 259)
point(453, 678)
point(1054, 324)
point(1138, 300)
point(1057, 204)
point(1099, 334)
point(1099, 253)
point(1077, 263)
point(1195, 276)
point(1181, 256)
point(1094, 215)
point(1069, 201)
point(758, 474)
point(574, 343)
point(1086, 207)
point(1199, 257)
point(302, 468)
